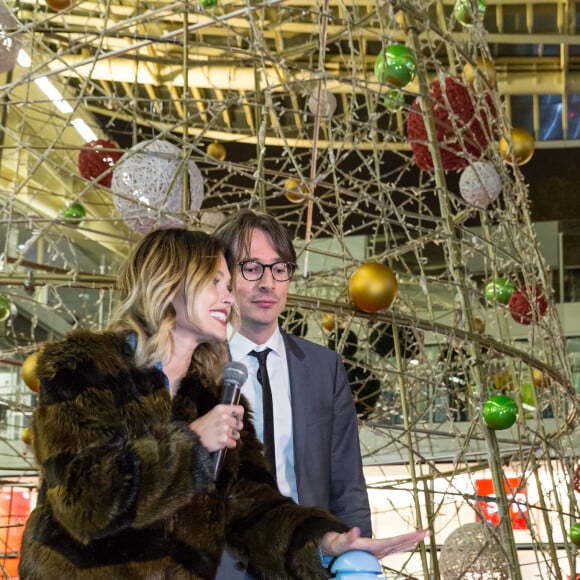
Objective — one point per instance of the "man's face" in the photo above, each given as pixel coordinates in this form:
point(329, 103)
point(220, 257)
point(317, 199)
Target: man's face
point(262, 301)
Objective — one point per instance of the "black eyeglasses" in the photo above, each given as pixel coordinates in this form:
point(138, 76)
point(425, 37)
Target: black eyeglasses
point(253, 271)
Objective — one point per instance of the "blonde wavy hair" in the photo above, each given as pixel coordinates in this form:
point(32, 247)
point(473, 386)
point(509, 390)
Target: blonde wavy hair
point(159, 266)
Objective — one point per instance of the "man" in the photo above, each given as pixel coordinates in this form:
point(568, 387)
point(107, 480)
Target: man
point(317, 452)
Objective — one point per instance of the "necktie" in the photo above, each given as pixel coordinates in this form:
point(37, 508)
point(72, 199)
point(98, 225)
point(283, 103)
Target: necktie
point(267, 407)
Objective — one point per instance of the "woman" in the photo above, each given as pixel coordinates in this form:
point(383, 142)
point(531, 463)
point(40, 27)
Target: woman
point(124, 433)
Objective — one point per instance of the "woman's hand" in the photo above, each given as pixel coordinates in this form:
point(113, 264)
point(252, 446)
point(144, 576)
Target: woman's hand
point(335, 544)
point(220, 427)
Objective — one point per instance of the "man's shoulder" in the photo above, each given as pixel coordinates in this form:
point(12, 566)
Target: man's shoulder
point(309, 347)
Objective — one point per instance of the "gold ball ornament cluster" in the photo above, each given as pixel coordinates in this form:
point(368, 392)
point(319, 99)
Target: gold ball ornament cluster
point(372, 287)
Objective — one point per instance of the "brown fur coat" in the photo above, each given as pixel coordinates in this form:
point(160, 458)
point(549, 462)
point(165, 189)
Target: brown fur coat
point(127, 491)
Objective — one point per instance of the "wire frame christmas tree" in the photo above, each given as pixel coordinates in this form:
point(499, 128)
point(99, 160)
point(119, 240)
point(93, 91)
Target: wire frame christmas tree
point(377, 133)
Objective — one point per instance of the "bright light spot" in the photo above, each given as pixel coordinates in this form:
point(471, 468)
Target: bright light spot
point(23, 58)
point(83, 130)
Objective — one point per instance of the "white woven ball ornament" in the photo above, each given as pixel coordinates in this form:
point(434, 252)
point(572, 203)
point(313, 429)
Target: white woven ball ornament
point(147, 186)
point(9, 40)
point(473, 552)
point(327, 103)
point(480, 184)
point(212, 219)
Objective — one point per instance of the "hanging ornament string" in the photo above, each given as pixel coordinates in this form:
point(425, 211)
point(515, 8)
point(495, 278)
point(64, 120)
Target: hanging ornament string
point(313, 164)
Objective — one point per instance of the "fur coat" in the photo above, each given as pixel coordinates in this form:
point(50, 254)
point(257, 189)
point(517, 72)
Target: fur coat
point(126, 487)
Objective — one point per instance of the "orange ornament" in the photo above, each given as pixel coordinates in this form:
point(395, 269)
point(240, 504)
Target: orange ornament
point(217, 151)
point(295, 191)
point(28, 372)
point(373, 287)
point(520, 149)
point(59, 5)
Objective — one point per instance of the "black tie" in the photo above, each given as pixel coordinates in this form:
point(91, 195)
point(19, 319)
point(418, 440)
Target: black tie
point(267, 408)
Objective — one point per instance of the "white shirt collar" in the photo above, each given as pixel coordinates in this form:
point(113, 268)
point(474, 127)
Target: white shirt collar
point(240, 345)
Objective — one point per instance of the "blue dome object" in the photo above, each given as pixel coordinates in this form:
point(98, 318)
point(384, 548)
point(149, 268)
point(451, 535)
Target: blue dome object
point(356, 565)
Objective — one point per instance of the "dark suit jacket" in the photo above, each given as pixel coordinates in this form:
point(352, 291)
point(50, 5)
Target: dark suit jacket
point(327, 458)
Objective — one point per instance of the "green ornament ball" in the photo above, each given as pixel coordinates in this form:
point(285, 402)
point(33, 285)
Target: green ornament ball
point(74, 213)
point(499, 290)
point(208, 4)
point(394, 101)
point(574, 534)
point(500, 412)
point(396, 65)
point(4, 308)
point(467, 12)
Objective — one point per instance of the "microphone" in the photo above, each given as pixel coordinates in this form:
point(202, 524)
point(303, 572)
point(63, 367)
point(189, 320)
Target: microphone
point(234, 376)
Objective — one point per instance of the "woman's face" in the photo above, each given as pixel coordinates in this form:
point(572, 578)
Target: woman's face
point(208, 321)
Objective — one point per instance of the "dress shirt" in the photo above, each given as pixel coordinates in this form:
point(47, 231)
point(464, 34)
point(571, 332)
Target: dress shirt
point(278, 372)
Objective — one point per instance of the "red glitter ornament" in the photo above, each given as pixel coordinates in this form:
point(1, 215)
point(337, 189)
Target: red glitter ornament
point(576, 479)
point(464, 126)
point(527, 304)
point(97, 157)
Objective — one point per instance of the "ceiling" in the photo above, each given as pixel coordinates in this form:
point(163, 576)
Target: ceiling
point(243, 75)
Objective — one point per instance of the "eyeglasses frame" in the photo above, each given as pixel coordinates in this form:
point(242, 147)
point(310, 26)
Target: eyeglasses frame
point(290, 265)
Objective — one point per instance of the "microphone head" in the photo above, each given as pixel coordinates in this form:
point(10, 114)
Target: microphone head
point(235, 372)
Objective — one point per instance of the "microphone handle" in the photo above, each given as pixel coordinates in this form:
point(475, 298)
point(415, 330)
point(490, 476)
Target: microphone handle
point(230, 396)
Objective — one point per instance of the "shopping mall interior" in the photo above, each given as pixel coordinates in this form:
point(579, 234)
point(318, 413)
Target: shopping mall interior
point(438, 138)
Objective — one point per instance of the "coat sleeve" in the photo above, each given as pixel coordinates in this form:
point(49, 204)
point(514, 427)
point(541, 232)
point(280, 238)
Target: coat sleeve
point(279, 538)
point(348, 492)
point(108, 459)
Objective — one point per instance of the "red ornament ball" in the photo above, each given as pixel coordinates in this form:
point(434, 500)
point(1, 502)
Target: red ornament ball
point(59, 5)
point(576, 480)
point(97, 157)
point(527, 304)
point(464, 128)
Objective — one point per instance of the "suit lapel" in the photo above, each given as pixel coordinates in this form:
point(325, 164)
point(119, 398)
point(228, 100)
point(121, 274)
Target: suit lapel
point(298, 372)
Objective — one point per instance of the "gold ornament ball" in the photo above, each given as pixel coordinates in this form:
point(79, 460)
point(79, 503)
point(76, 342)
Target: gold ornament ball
point(28, 372)
point(330, 322)
point(503, 381)
point(539, 378)
point(479, 325)
point(520, 149)
point(295, 191)
point(26, 436)
point(373, 287)
point(481, 66)
point(217, 151)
